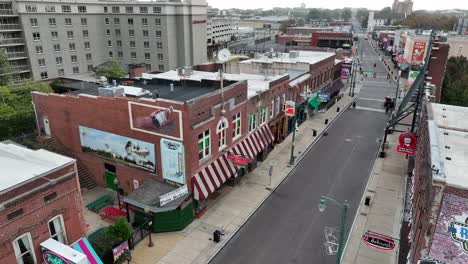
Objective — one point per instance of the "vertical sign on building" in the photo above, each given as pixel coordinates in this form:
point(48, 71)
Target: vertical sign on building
point(419, 49)
point(173, 160)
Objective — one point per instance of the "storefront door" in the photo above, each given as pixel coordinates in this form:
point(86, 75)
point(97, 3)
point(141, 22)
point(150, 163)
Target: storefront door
point(110, 176)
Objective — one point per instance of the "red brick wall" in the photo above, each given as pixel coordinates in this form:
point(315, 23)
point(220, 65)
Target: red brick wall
point(67, 113)
point(136, 71)
point(37, 213)
point(423, 191)
point(314, 42)
point(437, 65)
point(322, 73)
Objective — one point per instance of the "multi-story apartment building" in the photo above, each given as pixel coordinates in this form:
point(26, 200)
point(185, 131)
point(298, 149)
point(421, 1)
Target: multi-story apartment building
point(67, 37)
point(222, 29)
point(12, 41)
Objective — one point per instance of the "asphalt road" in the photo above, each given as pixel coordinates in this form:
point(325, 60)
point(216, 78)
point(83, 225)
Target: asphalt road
point(288, 227)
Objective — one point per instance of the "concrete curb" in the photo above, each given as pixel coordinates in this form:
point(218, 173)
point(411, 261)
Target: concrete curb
point(298, 160)
point(358, 210)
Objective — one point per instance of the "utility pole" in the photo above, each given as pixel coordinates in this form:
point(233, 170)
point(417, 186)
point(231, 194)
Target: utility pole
point(291, 159)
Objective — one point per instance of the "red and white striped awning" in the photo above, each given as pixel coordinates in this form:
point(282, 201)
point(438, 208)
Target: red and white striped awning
point(215, 174)
point(254, 143)
point(211, 177)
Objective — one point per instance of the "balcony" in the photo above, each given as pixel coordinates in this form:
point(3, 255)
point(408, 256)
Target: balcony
point(21, 68)
point(16, 55)
point(10, 27)
point(12, 42)
point(7, 12)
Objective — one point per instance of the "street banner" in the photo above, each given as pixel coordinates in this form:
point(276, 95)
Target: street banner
point(419, 49)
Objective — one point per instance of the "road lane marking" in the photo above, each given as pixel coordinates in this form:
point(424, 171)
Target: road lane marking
point(370, 109)
point(370, 99)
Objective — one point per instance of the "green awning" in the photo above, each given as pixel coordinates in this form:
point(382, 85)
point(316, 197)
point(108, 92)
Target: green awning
point(403, 66)
point(314, 102)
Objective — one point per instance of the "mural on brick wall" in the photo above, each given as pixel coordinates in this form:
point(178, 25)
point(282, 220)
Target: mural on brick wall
point(120, 149)
point(173, 160)
point(450, 242)
point(160, 121)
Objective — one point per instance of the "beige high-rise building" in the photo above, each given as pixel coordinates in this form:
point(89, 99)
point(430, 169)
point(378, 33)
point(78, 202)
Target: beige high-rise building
point(63, 38)
point(404, 8)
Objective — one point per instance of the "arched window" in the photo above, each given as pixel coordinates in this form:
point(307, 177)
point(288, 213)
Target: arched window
point(221, 132)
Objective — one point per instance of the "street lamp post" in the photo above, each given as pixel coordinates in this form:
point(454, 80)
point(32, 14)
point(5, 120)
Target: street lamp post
point(116, 182)
point(344, 209)
point(291, 159)
point(150, 223)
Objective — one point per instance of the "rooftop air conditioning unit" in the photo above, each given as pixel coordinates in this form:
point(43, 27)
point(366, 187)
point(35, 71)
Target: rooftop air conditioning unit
point(188, 71)
point(180, 72)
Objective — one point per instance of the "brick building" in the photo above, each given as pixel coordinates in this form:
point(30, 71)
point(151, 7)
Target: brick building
point(438, 219)
point(174, 128)
point(40, 198)
point(436, 68)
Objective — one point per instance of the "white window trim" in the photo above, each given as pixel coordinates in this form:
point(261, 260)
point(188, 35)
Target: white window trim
point(265, 117)
point(272, 109)
point(252, 126)
point(62, 223)
point(240, 126)
point(207, 156)
point(18, 251)
point(219, 129)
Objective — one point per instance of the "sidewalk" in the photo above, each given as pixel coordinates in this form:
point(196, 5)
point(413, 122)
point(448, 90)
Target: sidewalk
point(384, 215)
point(193, 244)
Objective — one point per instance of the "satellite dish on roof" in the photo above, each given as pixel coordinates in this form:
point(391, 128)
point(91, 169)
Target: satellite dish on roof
point(224, 55)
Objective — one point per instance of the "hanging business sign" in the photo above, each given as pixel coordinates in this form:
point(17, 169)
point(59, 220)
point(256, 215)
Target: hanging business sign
point(290, 108)
point(378, 241)
point(407, 143)
point(173, 195)
point(238, 160)
point(323, 97)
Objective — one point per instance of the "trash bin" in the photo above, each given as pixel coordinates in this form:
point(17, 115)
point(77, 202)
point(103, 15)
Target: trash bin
point(326, 121)
point(314, 133)
point(217, 236)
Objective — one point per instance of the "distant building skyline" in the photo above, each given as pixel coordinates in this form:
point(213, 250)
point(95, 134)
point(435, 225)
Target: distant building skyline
point(332, 4)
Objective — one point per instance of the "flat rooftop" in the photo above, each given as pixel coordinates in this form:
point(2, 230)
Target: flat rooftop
point(19, 164)
point(182, 90)
point(310, 57)
point(448, 130)
point(255, 83)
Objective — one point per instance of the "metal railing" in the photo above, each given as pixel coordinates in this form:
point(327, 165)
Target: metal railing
point(21, 68)
point(10, 26)
point(138, 234)
point(6, 12)
point(12, 55)
point(12, 41)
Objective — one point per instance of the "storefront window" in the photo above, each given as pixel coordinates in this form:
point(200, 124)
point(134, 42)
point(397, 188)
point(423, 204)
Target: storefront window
point(252, 122)
point(23, 250)
point(263, 115)
point(236, 126)
point(204, 145)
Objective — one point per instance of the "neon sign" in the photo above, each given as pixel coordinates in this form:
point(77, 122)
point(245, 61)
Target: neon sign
point(379, 242)
point(50, 257)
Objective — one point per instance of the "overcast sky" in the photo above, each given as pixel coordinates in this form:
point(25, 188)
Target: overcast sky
point(370, 4)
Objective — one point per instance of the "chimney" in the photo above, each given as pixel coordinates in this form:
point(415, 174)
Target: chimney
point(136, 70)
